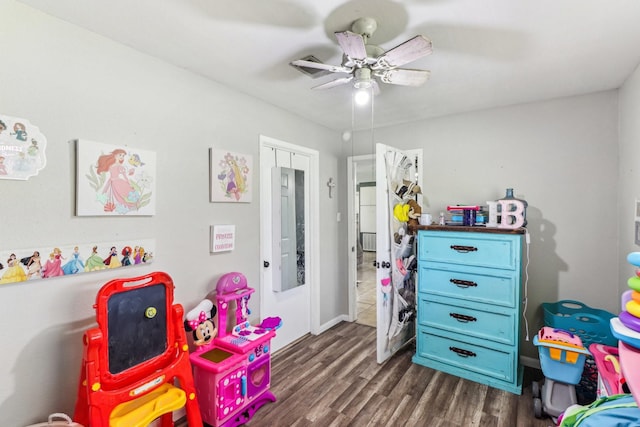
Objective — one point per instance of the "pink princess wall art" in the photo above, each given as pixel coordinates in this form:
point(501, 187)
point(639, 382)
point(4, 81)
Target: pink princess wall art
point(114, 180)
point(230, 176)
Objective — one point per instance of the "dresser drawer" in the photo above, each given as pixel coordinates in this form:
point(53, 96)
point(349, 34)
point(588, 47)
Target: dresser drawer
point(498, 287)
point(472, 249)
point(476, 322)
point(470, 355)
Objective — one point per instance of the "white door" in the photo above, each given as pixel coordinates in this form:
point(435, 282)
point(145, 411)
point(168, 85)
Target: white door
point(291, 303)
point(393, 330)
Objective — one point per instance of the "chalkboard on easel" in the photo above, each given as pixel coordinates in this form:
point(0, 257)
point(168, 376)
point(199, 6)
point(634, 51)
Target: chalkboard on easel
point(137, 326)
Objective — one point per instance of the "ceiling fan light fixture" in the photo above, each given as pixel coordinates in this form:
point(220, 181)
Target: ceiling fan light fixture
point(362, 96)
point(362, 84)
point(362, 78)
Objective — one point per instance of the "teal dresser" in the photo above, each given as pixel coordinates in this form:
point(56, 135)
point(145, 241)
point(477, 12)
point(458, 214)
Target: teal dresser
point(469, 303)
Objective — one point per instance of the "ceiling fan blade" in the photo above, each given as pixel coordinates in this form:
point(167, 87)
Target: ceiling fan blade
point(404, 53)
point(321, 66)
point(334, 83)
point(352, 44)
point(404, 76)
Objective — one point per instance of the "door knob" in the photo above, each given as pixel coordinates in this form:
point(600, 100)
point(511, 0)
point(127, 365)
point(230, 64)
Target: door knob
point(265, 263)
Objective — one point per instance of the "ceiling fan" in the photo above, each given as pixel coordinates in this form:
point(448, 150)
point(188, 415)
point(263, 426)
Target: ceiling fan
point(364, 63)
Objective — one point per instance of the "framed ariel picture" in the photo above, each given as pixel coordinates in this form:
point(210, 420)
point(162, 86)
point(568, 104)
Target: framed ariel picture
point(114, 180)
point(230, 176)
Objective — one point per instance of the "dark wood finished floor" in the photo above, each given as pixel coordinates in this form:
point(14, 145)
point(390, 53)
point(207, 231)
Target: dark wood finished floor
point(333, 380)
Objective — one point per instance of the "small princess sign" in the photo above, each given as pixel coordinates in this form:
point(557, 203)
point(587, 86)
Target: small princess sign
point(21, 149)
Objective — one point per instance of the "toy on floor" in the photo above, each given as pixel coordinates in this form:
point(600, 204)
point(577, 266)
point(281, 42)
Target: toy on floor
point(592, 326)
point(619, 410)
point(135, 364)
point(232, 372)
point(63, 420)
point(610, 379)
point(562, 359)
point(626, 327)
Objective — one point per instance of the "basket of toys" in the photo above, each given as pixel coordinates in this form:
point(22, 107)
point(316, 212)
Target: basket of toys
point(592, 326)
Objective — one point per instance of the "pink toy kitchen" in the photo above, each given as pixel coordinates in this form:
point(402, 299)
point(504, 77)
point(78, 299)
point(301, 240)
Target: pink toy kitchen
point(231, 371)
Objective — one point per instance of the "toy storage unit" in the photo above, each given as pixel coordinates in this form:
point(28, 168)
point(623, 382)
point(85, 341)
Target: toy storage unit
point(592, 326)
point(220, 378)
point(469, 287)
point(562, 361)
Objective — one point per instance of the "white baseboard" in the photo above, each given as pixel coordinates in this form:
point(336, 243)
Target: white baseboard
point(333, 322)
point(531, 362)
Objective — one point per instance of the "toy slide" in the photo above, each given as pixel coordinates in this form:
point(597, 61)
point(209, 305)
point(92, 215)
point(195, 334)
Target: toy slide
point(609, 373)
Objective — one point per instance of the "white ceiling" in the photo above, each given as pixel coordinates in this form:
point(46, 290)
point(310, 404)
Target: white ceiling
point(486, 53)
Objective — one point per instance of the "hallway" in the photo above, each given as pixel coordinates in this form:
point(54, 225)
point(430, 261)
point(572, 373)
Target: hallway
point(366, 291)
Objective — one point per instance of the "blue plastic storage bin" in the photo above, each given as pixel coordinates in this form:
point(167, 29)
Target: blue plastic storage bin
point(590, 324)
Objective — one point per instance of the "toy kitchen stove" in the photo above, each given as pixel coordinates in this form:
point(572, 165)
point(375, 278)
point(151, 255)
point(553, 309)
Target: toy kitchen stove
point(232, 373)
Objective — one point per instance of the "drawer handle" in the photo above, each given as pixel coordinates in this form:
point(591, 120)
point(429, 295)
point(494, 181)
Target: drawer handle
point(463, 317)
point(462, 353)
point(463, 283)
point(463, 249)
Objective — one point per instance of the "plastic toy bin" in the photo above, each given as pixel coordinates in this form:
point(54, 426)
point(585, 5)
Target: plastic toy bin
point(561, 363)
point(592, 326)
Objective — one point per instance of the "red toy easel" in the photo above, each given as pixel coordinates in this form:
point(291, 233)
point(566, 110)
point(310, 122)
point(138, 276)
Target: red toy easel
point(135, 365)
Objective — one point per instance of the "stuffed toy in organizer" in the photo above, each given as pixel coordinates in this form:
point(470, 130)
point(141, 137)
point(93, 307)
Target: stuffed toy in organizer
point(414, 213)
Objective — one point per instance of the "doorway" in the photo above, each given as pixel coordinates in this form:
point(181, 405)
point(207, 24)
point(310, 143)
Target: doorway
point(297, 305)
point(362, 239)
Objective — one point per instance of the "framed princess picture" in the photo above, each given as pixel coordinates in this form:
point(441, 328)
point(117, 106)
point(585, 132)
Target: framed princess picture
point(114, 180)
point(230, 176)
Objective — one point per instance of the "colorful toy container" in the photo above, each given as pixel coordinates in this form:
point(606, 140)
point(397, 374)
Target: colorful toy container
point(561, 354)
point(609, 373)
point(592, 326)
point(562, 361)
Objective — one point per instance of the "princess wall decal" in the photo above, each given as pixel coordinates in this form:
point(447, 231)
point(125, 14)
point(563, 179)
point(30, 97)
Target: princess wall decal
point(22, 148)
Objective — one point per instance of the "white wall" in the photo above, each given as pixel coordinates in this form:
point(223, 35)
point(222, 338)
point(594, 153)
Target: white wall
point(74, 84)
point(629, 174)
point(559, 155)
